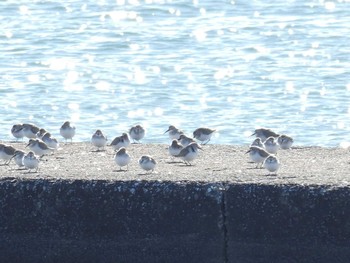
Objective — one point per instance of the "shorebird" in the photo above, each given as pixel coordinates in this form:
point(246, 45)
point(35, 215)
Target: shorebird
point(122, 158)
point(147, 163)
point(285, 142)
point(175, 148)
point(18, 157)
point(120, 141)
point(39, 147)
point(185, 140)
point(30, 130)
point(174, 133)
point(137, 133)
point(264, 133)
point(17, 131)
point(99, 140)
point(271, 145)
point(67, 131)
point(6, 153)
point(271, 163)
point(30, 161)
point(189, 153)
point(41, 133)
point(203, 134)
point(50, 141)
point(257, 154)
point(257, 142)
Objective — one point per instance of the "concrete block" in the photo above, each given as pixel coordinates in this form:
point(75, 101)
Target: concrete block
point(110, 221)
point(287, 223)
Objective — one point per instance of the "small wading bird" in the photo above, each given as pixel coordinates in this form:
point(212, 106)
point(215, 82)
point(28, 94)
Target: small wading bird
point(257, 155)
point(30, 130)
point(285, 142)
point(272, 164)
point(203, 134)
point(185, 140)
point(189, 153)
point(99, 140)
point(6, 153)
point(137, 133)
point(41, 133)
point(67, 131)
point(39, 147)
point(271, 145)
point(18, 157)
point(50, 141)
point(147, 163)
point(17, 131)
point(122, 158)
point(264, 133)
point(174, 133)
point(257, 142)
point(175, 148)
point(30, 161)
point(120, 141)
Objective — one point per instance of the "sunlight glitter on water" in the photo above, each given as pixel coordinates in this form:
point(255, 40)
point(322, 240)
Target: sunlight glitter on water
point(33, 78)
point(185, 63)
point(103, 86)
point(60, 63)
point(73, 106)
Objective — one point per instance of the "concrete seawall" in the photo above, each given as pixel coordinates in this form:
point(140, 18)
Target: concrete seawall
point(101, 221)
point(80, 208)
point(288, 223)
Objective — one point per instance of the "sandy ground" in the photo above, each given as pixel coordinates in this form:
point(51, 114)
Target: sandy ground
point(216, 163)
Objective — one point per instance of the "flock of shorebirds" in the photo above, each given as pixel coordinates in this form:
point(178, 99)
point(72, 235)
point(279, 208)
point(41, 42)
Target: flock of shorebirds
point(42, 143)
point(262, 151)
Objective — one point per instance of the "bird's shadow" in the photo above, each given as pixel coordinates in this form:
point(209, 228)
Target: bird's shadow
point(30, 172)
point(98, 151)
point(271, 175)
point(289, 177)
point(174, 162)
point(185, 165)
point(147, 173)
point(19, 169)
point(254, 168)
point(119, 171)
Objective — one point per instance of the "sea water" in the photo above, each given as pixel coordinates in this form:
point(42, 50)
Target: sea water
point(228, 65)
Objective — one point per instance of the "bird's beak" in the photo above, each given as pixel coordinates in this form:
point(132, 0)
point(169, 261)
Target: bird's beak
point(166, 131)
point(27, 145)
point(247, 151)
point(253, 134)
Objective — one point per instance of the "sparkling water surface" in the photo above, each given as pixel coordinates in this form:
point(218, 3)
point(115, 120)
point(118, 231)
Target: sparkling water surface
point(229, 65)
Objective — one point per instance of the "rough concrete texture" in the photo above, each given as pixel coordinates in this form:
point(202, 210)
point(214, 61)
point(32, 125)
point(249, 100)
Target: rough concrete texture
point(80, 208)
point(216, 163)
point(104, 221)
point(287, 223)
